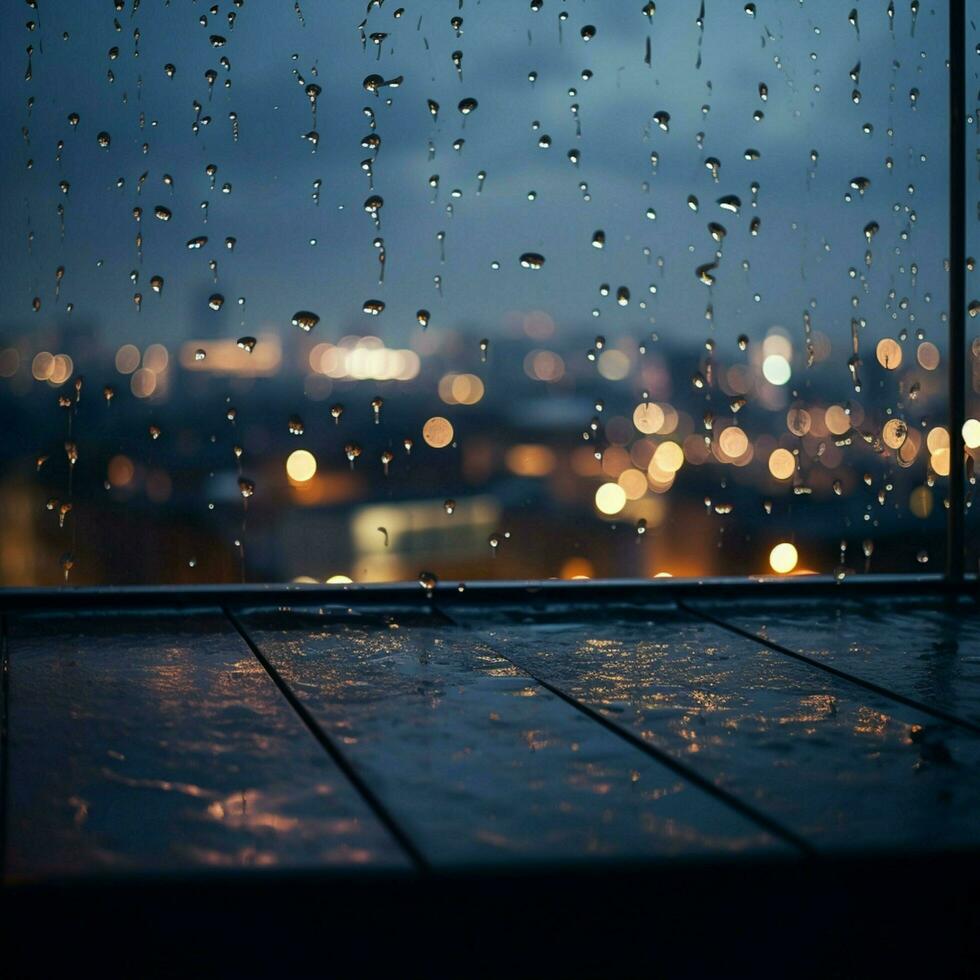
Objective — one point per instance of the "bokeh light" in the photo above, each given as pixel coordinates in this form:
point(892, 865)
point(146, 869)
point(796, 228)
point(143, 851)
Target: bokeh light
point(783, 558)
point(437, 432)
point(300, 466)
point(610, 498)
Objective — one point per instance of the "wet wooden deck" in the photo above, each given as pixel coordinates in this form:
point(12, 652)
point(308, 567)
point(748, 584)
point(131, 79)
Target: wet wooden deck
point(623, 767)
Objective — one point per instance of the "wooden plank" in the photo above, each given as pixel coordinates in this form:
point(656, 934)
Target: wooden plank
point(474, 759)
point(840, 766)
point(927, 650)
point(159, 743)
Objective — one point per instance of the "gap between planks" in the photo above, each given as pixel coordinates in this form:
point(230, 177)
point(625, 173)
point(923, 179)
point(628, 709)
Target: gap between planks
point(834, 671)
point(746, 810)
point(375, 804)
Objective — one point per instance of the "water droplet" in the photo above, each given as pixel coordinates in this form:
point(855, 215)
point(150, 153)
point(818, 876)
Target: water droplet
point(373, 206)
point(703, 273)
point(305, 320)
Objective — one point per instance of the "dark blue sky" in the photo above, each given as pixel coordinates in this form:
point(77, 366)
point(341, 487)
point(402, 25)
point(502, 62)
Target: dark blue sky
point(808, 238)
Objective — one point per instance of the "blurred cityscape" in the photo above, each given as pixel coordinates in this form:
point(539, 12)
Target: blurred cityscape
point(194, 468)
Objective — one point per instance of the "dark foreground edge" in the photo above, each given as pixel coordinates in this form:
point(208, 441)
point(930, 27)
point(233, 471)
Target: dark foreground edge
point(829, 917)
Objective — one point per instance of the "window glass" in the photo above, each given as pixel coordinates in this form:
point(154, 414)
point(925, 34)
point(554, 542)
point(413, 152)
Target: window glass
point(485, 290)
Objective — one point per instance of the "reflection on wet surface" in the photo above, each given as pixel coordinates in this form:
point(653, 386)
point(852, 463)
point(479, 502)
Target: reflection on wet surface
point(838, 765)
point(925, 650)
point(159, 742)
point(473, 758)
